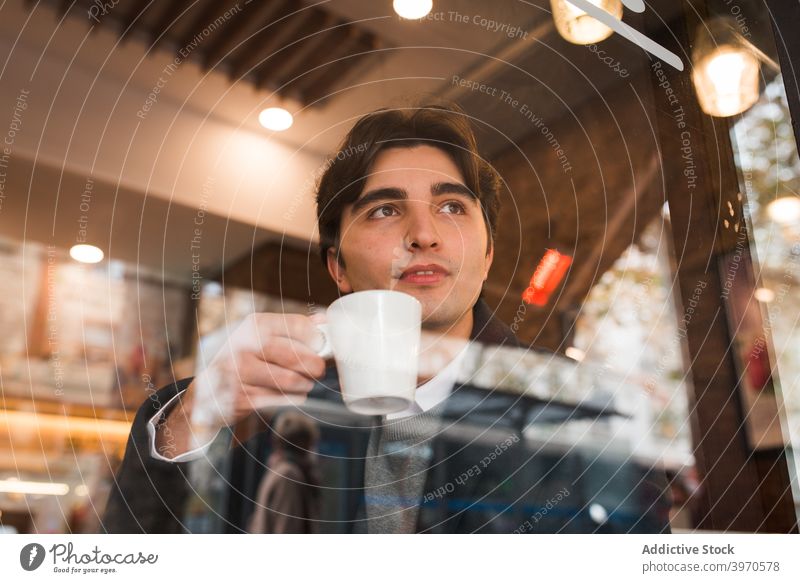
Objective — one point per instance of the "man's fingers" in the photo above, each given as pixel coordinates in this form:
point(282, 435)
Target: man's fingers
point(293, 355)
point(272, 375)
point(294, 326)
point(266, 362)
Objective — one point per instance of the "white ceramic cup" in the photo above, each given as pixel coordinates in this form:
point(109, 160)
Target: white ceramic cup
point(374, 336)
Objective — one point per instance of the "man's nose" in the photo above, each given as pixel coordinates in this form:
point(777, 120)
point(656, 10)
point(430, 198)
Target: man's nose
point(421, 231)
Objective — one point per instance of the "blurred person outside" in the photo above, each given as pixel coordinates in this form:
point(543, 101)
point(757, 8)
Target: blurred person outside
point(288, 497)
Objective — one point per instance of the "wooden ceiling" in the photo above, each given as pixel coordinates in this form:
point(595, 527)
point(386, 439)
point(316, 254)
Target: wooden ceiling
point(602, 121)
point(300, 52)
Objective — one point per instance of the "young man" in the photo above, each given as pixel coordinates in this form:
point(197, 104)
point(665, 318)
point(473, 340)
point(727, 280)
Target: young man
point(407, 204)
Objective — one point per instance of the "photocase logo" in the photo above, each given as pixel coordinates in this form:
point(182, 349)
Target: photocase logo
point(31, 556)
point(629, 33)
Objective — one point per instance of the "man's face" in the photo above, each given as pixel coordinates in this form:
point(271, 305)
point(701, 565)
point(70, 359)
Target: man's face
point(416, 228)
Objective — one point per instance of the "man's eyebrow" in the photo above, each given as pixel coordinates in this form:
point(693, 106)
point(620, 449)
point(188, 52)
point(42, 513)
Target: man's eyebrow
point(387, 193)
point(395, 193)
point(451, 188)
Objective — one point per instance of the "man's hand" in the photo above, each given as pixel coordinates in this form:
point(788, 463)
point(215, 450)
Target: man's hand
point(268, 361)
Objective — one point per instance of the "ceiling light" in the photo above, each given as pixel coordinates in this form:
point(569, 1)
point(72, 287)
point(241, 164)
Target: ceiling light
point(764, 295)
point(81, 490)
point(15, 486)
point(276, 119)
point(412, 9)
point(575, 353)
point(576, 26)
point(727, 82)
point(86, 253)
point(726, 70)
point(784, 210)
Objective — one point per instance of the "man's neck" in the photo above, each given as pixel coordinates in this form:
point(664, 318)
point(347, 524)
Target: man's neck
point(440, 345)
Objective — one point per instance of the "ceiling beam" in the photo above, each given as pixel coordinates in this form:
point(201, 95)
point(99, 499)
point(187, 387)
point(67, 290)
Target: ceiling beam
point(237, 32)
point(173, 11)
point(253, 51)
point(281, 44)
point(309, 86)
point(357, 62)
point(279, 67)
point(133, 17)
point(487, 69)
point(205, 16)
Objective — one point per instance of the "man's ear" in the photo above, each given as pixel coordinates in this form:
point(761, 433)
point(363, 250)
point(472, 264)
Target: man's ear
point(337, 271)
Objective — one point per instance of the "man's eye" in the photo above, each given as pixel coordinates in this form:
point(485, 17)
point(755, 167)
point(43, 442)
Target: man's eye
point(453, 207)
point(382, 211)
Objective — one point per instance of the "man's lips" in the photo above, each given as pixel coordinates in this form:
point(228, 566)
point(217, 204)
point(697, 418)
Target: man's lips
point(424, 274)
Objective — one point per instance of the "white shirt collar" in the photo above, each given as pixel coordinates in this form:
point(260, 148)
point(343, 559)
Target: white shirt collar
point(436, 390)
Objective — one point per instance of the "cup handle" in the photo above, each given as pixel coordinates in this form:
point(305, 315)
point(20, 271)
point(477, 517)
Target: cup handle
point(326, 351)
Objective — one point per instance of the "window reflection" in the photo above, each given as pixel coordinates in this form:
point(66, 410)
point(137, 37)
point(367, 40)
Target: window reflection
point(770, 172)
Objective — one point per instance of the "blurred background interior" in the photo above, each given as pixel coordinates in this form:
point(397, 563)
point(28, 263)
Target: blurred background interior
point(650, 223)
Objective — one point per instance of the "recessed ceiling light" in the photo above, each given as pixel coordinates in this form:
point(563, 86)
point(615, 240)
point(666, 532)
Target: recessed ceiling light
point(86, 253)
point(575, 353)
point(764, 294)
point(412, 9)
point(785, 210)
point(276, 119)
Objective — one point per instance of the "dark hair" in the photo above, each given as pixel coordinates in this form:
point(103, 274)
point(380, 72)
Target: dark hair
point(442, 126)
point(295, 432)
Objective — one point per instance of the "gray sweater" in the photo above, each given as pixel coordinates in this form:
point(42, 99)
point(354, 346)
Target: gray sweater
point(398, 456)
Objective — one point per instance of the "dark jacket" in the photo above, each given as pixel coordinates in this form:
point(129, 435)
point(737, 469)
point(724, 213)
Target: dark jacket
point(523, 489)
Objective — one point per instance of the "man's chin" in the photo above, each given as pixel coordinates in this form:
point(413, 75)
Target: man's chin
point(439, 316)
point(437, 304)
